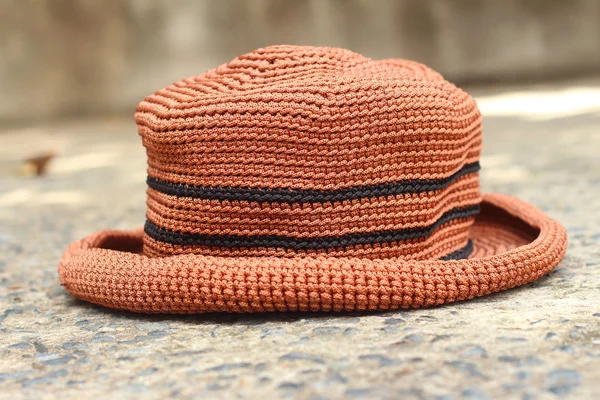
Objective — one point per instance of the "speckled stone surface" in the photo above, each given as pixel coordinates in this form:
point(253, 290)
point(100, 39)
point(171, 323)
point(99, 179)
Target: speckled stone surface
point(541, 341)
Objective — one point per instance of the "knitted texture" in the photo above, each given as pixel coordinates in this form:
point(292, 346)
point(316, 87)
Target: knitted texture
point(312, 179)
point(295, 151)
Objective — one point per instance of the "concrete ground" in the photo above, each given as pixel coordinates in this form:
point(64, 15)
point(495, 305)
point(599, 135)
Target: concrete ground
point(541, 341)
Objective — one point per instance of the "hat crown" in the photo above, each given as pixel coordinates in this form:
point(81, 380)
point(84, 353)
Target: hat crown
point(297, 151)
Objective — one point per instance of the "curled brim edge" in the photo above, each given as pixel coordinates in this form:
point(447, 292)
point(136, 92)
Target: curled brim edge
point(514, 243)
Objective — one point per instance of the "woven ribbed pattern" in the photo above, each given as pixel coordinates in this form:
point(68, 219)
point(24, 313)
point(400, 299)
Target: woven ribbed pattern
point(312, 179)
point(290, 151)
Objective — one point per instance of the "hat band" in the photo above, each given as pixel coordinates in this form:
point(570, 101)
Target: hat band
point(376, 220)
point(309, 196)
point(295, 243)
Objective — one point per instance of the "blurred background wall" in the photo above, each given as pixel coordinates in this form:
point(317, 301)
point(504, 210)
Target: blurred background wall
point(79, 57)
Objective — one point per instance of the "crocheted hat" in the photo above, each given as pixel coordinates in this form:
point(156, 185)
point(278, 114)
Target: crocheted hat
point(308, 178)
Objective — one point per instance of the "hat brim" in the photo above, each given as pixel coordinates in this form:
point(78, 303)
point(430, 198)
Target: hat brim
point(514, 243)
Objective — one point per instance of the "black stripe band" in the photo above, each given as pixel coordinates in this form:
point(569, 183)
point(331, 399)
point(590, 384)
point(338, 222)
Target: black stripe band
point(460, 254)
point(294, 243)
point(308, 196)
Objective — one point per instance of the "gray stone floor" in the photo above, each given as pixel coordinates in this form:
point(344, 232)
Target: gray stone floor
point(541, 341)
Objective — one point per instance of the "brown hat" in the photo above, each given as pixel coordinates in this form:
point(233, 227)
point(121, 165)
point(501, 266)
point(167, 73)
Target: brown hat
point(308, 178)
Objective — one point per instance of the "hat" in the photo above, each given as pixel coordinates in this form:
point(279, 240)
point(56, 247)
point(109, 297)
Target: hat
point(312, 179)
